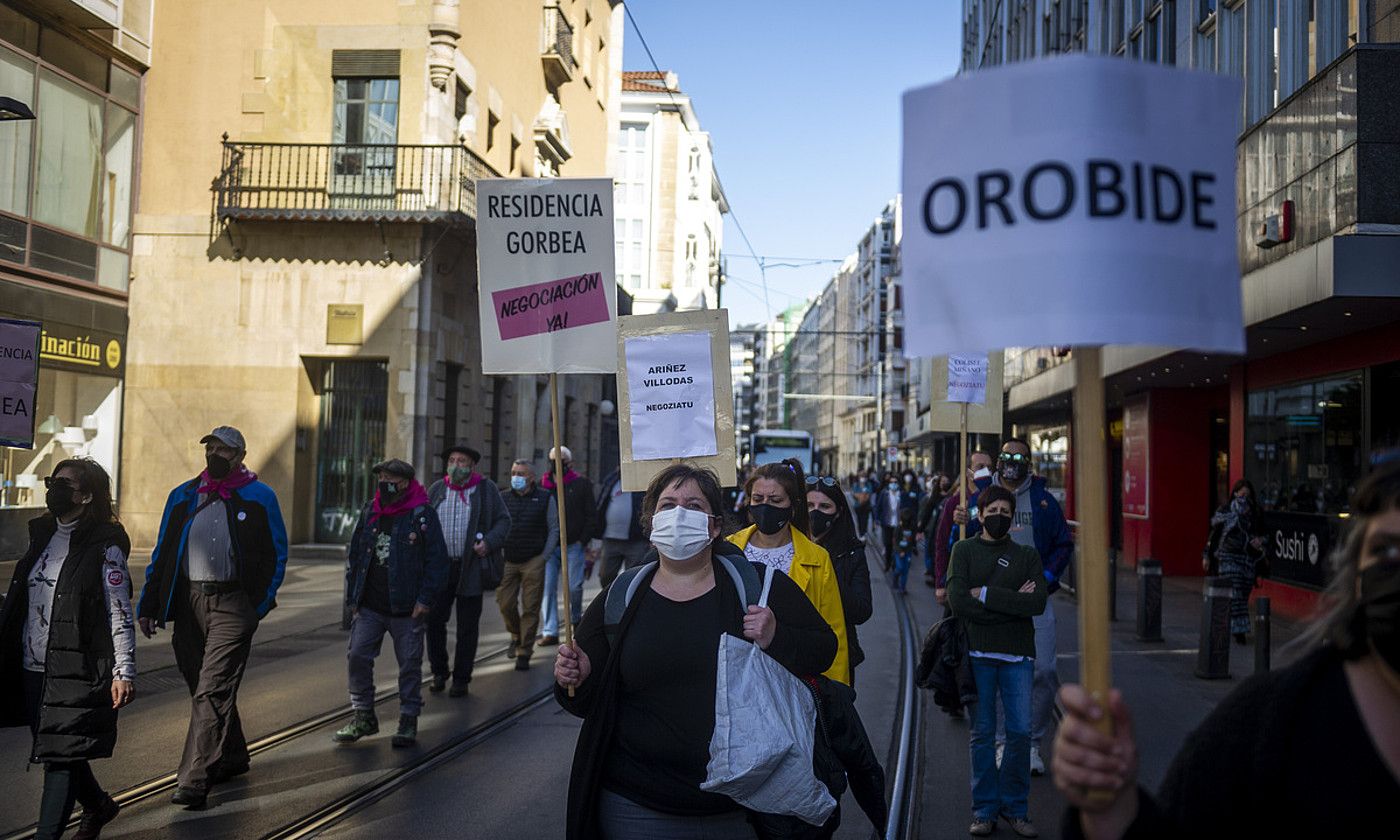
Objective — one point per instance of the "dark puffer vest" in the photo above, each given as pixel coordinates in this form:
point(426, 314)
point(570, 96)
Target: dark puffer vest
point(76, 718)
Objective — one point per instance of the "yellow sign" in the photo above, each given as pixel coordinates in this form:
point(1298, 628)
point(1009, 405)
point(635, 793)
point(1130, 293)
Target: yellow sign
point(114, 354)
point(79, 350)
point(345, 323)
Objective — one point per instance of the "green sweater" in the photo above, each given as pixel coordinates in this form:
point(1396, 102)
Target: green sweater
point(1003, 623)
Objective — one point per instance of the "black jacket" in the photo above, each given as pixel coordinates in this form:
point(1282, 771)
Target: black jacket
point(803, 644)
point(76, 718)
point(944, 666)
point(532, 520)
point(605, 495)
point(853, 581)
point(579, 506)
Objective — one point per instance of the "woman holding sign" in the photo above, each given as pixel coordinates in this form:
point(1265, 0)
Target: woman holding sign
point(778, 538)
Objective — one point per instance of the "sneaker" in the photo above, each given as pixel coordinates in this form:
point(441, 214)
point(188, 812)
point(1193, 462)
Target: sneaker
point(1021, 826)
point(1037, 764)
point(408, 732)
point(220, 773)
point(90, 828)
point(458, 690)
point(189, 797)
point(981, 827)
point(522, 663)
point(1001, 748)
point(438, 684)
point(365, 723)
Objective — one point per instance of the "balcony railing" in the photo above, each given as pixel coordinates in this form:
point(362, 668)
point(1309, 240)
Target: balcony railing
point(347, 182)
point(557, 47)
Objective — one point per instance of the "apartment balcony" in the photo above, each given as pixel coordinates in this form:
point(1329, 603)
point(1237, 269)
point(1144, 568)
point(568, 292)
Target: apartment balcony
point(557, 47)
point(347, 183)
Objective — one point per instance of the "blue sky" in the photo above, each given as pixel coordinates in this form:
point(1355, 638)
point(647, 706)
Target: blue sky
point(802, 102)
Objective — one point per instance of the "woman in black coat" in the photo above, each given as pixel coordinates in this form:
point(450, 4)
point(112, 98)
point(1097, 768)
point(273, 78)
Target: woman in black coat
point(68, 644)
point(834, 529)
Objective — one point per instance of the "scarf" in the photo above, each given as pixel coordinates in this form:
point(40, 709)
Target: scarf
point(461, 489)
point(224, 487)
point(548, 481)
point(409, 499)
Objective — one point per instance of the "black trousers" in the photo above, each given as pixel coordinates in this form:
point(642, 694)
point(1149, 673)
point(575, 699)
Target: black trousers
point(65, 782)
point(468, 630)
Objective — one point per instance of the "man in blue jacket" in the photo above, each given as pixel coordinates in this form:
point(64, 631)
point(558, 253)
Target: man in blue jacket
point(218, 561)
point(1039, 522)
point(395, 570)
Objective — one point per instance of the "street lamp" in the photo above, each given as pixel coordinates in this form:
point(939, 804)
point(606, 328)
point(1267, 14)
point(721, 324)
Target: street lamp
point(13, 109)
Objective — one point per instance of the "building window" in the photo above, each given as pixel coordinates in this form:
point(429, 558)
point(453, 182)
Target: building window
point(460, 107)
point(366, 111)
point(16, 82)
point(491, 122)
point(1303, 444)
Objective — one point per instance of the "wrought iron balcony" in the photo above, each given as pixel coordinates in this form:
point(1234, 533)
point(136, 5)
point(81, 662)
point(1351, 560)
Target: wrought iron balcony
point(347, 182)
point(557, 47)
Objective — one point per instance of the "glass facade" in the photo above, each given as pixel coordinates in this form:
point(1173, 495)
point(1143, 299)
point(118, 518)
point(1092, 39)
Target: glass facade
point(1304, 444)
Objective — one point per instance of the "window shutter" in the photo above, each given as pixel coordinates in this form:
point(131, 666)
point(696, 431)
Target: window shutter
point(378, 64)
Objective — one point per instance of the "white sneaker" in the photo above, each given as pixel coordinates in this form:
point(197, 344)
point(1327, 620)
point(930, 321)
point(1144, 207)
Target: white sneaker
point(1037, 765)
point(1001, 748)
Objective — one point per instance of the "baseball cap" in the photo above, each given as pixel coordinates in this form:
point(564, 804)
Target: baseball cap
point(228, 436)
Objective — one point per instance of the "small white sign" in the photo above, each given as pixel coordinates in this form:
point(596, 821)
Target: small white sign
point(1093, 199)
point(967, 379)
point(670, 389)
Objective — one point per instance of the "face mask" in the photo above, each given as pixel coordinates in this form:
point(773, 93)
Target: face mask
point(218, 466)
point(387, 491)
point(60, 500)
point(984, 472)
point(1380, 606)
point(769, 519)
point(518, 482)
point(1239, 505)
point(997, 525)
point(821, 522)
point(460, 474)
point(1014, 471)
point(680, 533)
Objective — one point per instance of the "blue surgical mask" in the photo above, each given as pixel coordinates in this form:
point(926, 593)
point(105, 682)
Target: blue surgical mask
point(518, 482)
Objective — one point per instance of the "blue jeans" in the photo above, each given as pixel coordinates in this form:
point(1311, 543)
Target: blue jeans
point(902, 560)
point(549, 626)
point(1047, 679)
point(994, 791)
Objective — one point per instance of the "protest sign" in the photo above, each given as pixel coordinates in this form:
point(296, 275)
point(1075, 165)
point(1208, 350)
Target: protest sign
point(967, 378)
point(19, 381)
point(983, 415)
point(1092, 198)
point(548, 298)
point(670, 385)
point(655, 426)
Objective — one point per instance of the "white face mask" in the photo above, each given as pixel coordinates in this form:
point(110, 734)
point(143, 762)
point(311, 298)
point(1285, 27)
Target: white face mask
point(680, 533)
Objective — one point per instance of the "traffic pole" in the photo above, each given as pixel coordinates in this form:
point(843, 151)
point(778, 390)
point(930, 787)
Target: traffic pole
point(563, 516)
point(962, 464)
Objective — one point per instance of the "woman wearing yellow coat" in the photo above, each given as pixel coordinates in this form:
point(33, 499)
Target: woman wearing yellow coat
point(777, 507)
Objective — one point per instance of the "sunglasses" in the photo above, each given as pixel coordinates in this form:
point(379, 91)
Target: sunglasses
point(51, 482)
point(824, 480)
point(1013, 456)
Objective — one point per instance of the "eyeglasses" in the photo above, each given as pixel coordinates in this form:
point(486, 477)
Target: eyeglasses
point(51, 482)
point(824, 480)
point(1013, 456)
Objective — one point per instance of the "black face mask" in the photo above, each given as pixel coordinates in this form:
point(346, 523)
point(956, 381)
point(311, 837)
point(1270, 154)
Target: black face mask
point(59, 500)
point(997, 525)
point(769, 519)
point(1380, 606)
point(1014, 471)
point(388, 491)
point(218, 466)
point(821, 522)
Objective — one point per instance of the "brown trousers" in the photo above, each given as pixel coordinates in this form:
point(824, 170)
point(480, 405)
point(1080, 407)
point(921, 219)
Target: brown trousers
point(212, 637)
point(522, 585)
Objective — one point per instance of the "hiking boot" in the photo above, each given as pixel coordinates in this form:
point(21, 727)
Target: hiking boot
point(365, 723)
point(522, 663)
point(1021, 826)
point(1037, 763)
point(438, 684)
point(407, 735)
point(458, 690)
point(90, 828)
point(981, 827)
point(189, 797)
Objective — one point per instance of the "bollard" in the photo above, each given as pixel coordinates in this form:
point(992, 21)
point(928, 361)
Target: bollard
point(1149, 602)
point(1213, 655)
point(1262, 641)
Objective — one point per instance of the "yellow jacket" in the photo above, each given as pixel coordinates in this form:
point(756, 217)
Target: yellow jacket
point(813, 572)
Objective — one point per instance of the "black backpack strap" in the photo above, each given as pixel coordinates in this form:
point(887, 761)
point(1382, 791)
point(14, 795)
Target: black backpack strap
point(746, 579)
point(620, 593)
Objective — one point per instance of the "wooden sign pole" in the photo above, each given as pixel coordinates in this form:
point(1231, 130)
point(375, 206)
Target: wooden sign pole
point(563, 516)
point(1091, 505)
point(962, 468)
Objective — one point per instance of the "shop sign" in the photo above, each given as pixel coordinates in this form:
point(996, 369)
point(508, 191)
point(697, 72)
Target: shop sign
point(1298, 545)
point(67, 347)
point(19, 381)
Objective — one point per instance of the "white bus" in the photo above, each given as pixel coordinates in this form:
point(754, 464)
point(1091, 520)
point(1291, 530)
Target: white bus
point(768, 446)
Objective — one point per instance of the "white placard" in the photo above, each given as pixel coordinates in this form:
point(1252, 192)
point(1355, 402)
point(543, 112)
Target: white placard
point(967, 378)
point(670, 386)
point(545, 259)
point(1090, 200)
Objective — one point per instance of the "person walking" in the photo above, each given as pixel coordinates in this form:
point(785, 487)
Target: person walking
point(1235, 545)
point(617, 529)
point(534, 523)
point(1040, 523)
point(396, 568)
point(927, 522)
point(219, 559)
point(833, 528)
point(474, 524)
point(579, 507)
point(644, 681)
point(777, 505)
point(1308, 750)
point(885, 511)
point(995, 586)
point(863, 487)
point(68, 644)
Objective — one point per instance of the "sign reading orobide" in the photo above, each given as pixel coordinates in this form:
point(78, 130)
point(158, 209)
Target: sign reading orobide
point(19, 378)
point(670, 388)
point(1085, 200)
point(545, 259)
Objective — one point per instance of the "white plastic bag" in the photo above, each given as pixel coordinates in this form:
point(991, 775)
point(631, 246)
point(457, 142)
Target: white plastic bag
point(765, 719)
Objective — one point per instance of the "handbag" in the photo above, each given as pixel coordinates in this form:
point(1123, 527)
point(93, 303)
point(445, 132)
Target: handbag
point(763, 744)
point(493, 569)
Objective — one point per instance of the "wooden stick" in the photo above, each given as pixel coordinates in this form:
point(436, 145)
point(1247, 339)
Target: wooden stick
point(563, 516)
point(962, 465)
point(1091, 504)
